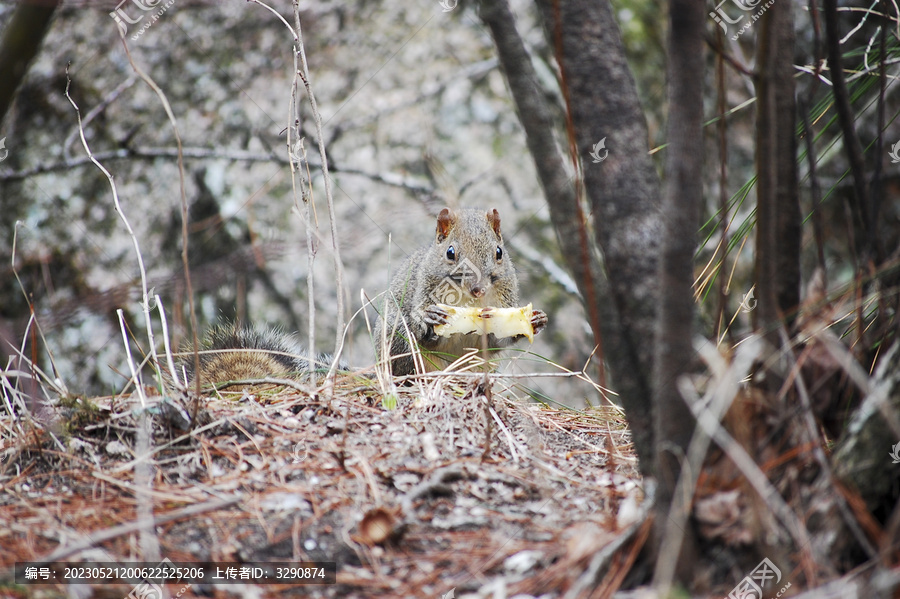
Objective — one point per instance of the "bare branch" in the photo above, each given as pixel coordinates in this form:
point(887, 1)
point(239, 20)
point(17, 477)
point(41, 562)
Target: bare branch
point(145, 294)
point(184, 233)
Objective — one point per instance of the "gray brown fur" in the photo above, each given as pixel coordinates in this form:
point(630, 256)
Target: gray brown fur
point(473, 277)
point(234, 353)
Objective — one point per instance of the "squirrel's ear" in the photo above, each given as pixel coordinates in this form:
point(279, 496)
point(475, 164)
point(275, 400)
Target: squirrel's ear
point(445, 222)
point(494, 218)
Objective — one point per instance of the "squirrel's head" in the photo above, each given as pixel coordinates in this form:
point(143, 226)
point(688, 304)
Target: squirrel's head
point(476, 269)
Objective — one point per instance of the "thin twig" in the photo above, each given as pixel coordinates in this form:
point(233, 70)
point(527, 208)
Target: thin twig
point(707, 420)
point(145, 302)
point(852, 146)
point(138, 385)
point(722, 130)
point(600, 561)
point(184, 234)
point(143, 487)
point(97, 110)
point(95, 539)
point(267, 380)
point(170, 362)
point(814, 190)
point(816, 442)
point(731, 60)
point(722, 391)
point(149, 153)
point(326, 177)
point(56, 383)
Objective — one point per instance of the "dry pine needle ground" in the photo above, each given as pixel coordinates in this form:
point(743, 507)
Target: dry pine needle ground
point(409, 501)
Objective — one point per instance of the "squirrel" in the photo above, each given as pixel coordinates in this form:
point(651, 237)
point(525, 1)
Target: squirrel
point(232, 352)
point(466, 265)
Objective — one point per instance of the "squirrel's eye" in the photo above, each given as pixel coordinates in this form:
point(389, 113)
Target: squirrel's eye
point(499, 253)
point(451, 253)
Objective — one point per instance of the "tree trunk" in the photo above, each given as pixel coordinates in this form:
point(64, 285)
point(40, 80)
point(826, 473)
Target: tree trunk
point(777, 204)
point(21, 41)
point(674, 422)
point(623, 189)
point(566, 214)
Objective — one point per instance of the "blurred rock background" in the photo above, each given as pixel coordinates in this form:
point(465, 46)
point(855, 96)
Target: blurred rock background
point(416, 116)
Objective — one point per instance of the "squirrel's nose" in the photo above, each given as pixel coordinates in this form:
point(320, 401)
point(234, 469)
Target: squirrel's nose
point(477, 291)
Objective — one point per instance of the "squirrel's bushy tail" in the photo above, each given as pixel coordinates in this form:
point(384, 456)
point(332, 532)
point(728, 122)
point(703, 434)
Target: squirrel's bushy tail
point(232, 352)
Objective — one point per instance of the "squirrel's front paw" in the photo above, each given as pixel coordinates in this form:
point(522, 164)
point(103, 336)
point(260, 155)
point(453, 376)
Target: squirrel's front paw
point(435, 316)
point(538, 320)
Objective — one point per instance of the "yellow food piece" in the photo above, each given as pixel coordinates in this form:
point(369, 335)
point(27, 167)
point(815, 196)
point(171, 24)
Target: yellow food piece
point(502, 322)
